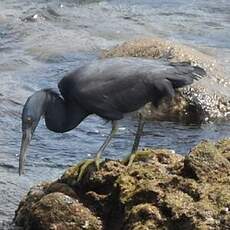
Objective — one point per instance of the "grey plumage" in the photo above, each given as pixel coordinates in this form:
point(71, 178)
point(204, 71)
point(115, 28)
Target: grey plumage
point(112, 87)
point(108, 88)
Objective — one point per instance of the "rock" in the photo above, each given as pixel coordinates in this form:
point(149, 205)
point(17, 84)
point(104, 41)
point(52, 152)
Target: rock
point(205, 159)
point(204, 100)
point(160, 190)
point(144, 216)
point(58, 211)
point(33, 196)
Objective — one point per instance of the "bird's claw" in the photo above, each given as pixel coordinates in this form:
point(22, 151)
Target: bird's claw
point(82, 167)
point(85, 166)
point(142, 154)
point(129, 159)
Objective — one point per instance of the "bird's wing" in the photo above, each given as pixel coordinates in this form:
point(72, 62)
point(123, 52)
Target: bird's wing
point(112, 87)
point(176, 75)
point(114, 97)
point(109, 92)
point(183, 73)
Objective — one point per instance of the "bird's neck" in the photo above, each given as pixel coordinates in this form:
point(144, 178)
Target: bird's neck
point(62, 116)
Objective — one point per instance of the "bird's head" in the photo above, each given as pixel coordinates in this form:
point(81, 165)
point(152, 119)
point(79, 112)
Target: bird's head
point(33, 109)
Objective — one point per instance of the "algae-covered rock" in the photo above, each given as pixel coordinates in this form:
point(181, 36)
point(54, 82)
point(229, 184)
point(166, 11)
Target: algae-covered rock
point(59, 211)
point(160, 190)
point(207, 163)
point(206, 99)
point(33, 196)
point(144, 216)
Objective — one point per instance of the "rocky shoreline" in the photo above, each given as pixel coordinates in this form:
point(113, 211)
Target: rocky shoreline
point(160, 190)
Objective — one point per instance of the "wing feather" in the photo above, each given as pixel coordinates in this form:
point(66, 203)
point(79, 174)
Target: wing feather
point(115, 86)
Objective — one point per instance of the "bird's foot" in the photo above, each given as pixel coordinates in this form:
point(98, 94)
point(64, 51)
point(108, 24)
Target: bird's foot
point(85, 165)
point(130, 158)
point(138, 155)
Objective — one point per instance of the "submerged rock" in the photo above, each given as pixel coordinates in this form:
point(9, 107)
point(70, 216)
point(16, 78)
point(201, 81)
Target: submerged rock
point(204, 100)
point(160, 190)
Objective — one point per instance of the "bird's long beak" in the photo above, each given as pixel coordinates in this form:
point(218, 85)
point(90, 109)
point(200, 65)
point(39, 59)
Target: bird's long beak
point(26, 138)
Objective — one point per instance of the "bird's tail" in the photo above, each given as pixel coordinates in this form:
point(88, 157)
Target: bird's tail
point(185, 74)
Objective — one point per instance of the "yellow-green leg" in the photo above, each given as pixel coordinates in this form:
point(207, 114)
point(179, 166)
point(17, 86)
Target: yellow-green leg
point(85, 164)
point(136, 142)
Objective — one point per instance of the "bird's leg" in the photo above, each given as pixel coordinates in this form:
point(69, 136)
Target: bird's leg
point(106, 143)
point(83, 166)
point(139, 132)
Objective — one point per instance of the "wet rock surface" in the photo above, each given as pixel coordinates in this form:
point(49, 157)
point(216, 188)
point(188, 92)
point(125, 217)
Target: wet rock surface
point(160, 190)
point(204, 100)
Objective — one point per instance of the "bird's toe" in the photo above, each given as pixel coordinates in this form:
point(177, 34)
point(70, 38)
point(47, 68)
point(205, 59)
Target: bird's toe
point(136, 156)
point(84, 166)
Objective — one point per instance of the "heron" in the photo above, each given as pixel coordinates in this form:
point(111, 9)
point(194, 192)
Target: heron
point(109, 88)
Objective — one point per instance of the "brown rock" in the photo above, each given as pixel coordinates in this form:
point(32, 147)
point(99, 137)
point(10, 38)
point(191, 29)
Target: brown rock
point(160, 190)
point(58, 211)
point(33, 196)
point(205, 162)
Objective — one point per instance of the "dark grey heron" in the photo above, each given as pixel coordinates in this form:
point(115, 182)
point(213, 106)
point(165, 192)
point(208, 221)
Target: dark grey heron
point(108, 88)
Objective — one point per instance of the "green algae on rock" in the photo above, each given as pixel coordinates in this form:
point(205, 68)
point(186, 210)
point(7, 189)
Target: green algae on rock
point(160, 190)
